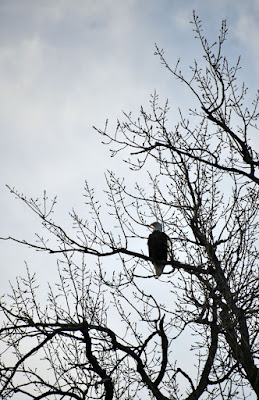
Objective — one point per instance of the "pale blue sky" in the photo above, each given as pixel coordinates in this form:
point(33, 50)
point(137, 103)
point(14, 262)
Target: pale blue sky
point(68, 65)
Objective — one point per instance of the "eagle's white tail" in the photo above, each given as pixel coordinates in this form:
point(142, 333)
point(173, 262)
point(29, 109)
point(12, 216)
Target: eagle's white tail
point(159, 268)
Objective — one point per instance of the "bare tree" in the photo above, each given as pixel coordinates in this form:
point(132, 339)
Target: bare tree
point(111, 330)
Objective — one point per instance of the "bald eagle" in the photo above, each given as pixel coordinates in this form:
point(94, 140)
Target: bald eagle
point(157, 247)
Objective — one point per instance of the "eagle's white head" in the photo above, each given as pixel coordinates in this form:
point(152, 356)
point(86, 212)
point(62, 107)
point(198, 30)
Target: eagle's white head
point(156, 226)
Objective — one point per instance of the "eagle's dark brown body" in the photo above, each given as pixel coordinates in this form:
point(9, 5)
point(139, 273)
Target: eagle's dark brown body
point(158, 247)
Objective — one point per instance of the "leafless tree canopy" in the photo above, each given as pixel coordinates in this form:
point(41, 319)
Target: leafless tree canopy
point(110, 329)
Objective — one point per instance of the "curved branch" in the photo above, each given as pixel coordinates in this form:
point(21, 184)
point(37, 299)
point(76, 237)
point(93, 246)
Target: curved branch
point(204, 380)
point(164, 345)
point(203, 160)
point(106, 379)
point(195, 269)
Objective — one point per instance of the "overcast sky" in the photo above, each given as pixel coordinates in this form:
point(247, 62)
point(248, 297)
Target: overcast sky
point(68, 65)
